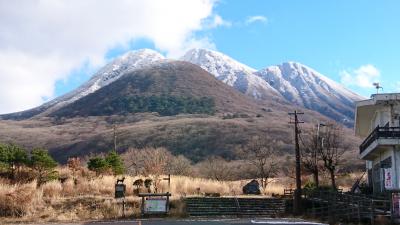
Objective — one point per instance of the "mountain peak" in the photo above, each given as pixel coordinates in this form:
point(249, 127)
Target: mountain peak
point(202, 56)
point(295, 68)
point(231, 72)
point(306, 87)
point(145, 52)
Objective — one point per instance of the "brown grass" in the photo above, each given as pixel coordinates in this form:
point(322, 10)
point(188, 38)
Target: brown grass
point(17, 200)
point(91, 197)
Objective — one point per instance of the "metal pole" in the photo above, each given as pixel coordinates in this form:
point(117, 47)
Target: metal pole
point(123, 207)
point(169, 182)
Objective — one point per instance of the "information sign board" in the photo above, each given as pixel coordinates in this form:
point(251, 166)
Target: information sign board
point(155, 205)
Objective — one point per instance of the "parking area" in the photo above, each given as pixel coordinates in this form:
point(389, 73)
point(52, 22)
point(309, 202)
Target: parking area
point(249, 221)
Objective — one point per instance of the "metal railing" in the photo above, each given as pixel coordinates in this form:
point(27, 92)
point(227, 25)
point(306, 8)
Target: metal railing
point(380, 133)
point(336, 206)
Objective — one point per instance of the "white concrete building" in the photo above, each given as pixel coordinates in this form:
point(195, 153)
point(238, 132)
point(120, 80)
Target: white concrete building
point(378, 122)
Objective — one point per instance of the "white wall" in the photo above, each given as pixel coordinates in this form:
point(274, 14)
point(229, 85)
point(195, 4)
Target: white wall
point(381, 117)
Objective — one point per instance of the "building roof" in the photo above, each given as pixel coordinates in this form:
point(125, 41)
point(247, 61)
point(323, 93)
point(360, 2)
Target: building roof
point(365, 110)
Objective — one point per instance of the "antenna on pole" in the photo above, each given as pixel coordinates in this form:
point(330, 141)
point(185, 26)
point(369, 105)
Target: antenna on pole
point(377, 86)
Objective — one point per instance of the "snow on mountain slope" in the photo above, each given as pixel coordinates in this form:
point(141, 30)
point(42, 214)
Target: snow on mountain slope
point(231, 72)
point(288, 82)
point(306, 87)
point(111, 72)
point(291, 81)
point(106, 75)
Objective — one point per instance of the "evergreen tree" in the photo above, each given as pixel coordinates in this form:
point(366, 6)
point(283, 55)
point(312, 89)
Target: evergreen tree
point(43, 164)
point(115, 162)
point(12, 157)
point(4, 158)
point(98, 164)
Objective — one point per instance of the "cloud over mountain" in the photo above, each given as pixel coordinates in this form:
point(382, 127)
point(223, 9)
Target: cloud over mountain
point(363, 77)
point(43, 41)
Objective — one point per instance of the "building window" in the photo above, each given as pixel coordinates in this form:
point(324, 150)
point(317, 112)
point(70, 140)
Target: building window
point(386, 163)
point(378, 176)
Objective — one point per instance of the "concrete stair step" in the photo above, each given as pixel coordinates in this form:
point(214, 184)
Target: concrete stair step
point(212, 206)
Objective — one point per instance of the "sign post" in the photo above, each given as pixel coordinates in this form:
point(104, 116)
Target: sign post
point(388, 178)
point(120, 189)
point(155, 203)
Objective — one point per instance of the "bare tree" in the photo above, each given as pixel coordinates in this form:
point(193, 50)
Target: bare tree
point(147, 161)
point(180, 165)
point(155, 161)
point(260, 153)
point(133, 161)
point(310, 154)
point(216, 168)
point(332, 149)
point(151, 162)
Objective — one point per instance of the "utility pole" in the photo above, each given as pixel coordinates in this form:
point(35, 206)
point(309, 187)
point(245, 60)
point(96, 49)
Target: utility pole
point(115, 137)
point(297, 192)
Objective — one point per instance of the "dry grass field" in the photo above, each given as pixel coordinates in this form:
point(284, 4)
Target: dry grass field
point(93, 199)
point(90, 197)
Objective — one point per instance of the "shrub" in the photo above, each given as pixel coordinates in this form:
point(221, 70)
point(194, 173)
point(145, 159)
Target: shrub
point(44, 165)
point(138, 183)
point(16, 200)
point(148, 183)
point(52, 189)
point(98, 164)
point(165, 105)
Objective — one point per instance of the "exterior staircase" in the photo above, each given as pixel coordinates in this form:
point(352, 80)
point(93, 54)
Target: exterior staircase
point(230, 206)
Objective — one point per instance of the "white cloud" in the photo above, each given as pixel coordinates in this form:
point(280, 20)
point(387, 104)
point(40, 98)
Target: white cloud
point(254, 19)
point(218, 21)
point(362, 77)
point(397, 86)
point(42, 41)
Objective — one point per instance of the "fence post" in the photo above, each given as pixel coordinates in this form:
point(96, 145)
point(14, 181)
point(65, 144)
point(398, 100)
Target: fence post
point(313, 207)
point(372, 212)
point(349, 207)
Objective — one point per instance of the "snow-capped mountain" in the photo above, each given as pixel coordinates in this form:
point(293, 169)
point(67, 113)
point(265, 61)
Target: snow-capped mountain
point(294, 82)
point(106, 75)
point(306, 87)
point(287, 83)
point(111, 72)
point(231, 72)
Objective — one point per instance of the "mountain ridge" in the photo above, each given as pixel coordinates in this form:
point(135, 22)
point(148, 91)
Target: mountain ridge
point(165, 103)
point(290, 83)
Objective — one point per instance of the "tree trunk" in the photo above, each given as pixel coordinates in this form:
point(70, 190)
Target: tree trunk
point(316, 179)
point(333, 181)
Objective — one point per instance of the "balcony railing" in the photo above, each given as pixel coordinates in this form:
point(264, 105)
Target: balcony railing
point(380, 133)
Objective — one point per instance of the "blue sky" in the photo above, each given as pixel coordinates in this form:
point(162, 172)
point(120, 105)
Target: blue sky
point(330, 36)
point(352, 42)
